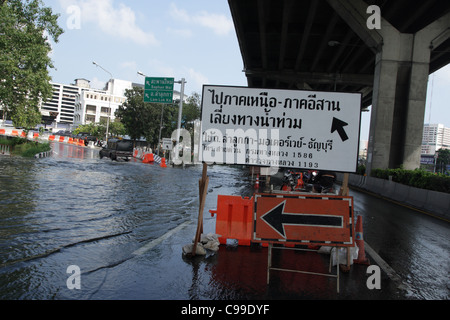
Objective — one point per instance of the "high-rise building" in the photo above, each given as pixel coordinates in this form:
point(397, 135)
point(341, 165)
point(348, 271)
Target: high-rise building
point(435, 137)
point(60, 107)
point(78, 103)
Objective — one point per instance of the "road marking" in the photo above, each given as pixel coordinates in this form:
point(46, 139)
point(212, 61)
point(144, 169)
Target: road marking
point(386, 268)
point(155, 242)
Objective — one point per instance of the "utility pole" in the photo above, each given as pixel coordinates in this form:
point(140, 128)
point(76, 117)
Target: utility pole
point(110, 97)
point(180, 110)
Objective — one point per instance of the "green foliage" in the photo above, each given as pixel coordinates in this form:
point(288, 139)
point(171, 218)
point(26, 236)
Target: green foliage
point(415, 178)
point(23, 147)
point(361, 170)
point(141, 119)
point(98, 130)
point(24, 60)
point(30, 149)
point(443, 159)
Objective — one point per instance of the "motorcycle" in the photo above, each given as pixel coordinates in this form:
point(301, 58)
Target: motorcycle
point(293, 181)
point(308, 181)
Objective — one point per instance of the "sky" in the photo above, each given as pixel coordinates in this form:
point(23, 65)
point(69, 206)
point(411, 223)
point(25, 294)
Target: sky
point(194, 40)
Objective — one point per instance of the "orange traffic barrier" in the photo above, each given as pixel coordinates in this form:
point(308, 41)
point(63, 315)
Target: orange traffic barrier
point(163, 163)
point(2, 131)
point(23, 134)
point(234, 219)
point(61, 138)
point(51, 138)
point(135, 153)
point(35, 135)
point(360, 242)
point(148, 157)
point(81, 143)
point(14, 133)
point(70, 140)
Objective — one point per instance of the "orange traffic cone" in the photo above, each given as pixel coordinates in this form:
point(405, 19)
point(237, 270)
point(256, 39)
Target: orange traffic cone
point(163, 163)
point(360, 242)
point(257, 182)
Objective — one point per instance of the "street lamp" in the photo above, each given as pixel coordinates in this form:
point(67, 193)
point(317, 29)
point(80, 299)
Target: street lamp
point(110, 97)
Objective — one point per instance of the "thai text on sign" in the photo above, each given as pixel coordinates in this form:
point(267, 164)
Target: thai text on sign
point(283, 128)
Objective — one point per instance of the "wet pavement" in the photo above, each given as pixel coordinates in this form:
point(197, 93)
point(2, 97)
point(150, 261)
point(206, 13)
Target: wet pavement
point(123, 224)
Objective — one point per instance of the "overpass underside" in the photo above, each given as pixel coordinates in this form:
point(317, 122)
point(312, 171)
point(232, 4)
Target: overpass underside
point(343, 45)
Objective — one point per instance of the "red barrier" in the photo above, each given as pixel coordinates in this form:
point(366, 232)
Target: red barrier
point(61, 139)
point(234, 218)
point(51, 138)
point(2, 131)
point(148, 157)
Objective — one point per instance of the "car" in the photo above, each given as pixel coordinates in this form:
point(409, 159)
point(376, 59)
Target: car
point(86, 137)
point(117, 149)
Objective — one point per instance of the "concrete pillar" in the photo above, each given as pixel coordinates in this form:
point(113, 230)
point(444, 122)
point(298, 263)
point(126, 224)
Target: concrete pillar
point(423, 43)
point(400, 84)
point(399, 95)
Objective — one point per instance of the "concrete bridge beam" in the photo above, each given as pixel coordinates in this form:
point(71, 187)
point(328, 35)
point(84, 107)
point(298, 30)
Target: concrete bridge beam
point(399, 86)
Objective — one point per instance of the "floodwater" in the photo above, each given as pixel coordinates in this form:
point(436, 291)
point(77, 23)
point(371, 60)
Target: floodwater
point(75, 209)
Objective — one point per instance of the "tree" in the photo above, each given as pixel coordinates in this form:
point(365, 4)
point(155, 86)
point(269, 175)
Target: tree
point(135, 114)
point(24, 60)
point(443, 159)
point(116, 128)
point(191, 112)
point(142, 119)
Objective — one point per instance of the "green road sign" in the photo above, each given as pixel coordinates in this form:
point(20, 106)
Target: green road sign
point(159, 90)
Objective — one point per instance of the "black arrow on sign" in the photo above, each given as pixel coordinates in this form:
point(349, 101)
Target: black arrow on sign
point(277, 219)
point(339, 126)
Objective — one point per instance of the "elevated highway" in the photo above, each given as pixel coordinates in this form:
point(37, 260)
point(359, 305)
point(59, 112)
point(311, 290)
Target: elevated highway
point(349, 46)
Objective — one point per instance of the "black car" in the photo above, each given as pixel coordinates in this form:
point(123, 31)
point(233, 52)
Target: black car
point(117, 148)
point(86, 138)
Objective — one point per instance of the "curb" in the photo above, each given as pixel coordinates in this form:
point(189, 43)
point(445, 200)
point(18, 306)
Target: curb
point(43, 154)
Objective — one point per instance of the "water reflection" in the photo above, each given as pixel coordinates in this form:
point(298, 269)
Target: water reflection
point(75, 208)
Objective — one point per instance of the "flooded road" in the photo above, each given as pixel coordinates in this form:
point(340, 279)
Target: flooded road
point(76, 209)
point(414, 244)
point(103, 216)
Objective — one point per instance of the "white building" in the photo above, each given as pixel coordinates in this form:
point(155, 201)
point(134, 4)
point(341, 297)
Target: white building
point(435, 137)
point(61, 104)
point(78, 103)
point(93, 105)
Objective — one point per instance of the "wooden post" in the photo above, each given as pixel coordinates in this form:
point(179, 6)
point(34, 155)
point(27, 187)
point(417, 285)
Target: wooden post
point(203, 188)
point(344, 187)
point(344, 192)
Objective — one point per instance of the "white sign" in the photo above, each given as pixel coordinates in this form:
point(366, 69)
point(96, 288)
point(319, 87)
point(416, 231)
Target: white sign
point(167, 144)
point(280, 128)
